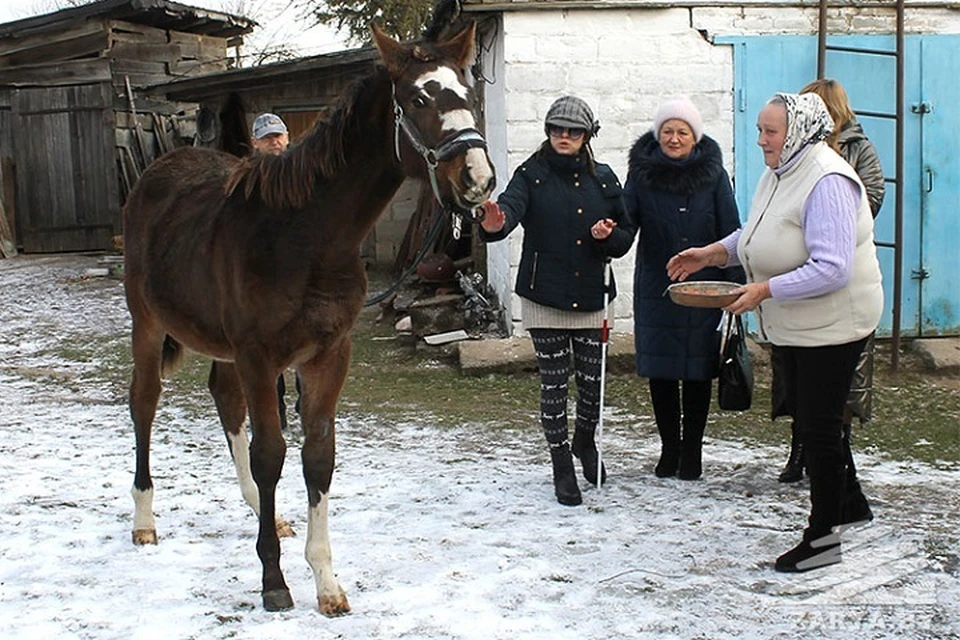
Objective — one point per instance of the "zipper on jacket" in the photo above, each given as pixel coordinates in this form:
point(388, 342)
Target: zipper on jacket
point(533, 272)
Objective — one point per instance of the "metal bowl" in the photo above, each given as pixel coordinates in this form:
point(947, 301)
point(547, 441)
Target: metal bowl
point(703, 293)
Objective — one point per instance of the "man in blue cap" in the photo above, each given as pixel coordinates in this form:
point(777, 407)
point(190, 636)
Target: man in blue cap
point(269, 134)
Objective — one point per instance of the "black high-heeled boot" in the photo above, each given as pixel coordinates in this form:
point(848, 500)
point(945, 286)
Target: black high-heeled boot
point(564, 476)
point(585, 449)
point(793, 470)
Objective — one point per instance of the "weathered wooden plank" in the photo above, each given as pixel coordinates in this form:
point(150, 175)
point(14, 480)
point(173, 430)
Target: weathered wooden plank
point(139, 80)
point(78, 31)
point(35, 100)
point(121, 31)
point(123, 66)
point(184, 68)
point(68, 197)
point(8, 239)
point(58, 73)
point(89, 46)
point(162, 52)
point(8, 187)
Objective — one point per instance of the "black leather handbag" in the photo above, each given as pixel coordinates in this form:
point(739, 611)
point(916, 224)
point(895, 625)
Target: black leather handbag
point(735, 384)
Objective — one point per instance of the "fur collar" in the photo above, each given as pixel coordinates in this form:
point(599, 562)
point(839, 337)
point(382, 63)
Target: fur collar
point(650, 168)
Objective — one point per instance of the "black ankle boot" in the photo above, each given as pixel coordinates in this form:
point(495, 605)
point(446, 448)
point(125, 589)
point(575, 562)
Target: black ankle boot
point(564, 477)
point(856, 509)
point(793, 470)
point(585, 449)
point(691, 463)
point(812, 553)
point(669, 462)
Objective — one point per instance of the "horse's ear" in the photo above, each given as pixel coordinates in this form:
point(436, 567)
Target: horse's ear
point(461, 47)
point(392, 53)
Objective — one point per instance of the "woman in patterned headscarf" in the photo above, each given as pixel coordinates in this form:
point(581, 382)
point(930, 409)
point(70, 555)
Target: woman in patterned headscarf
point(814, 283)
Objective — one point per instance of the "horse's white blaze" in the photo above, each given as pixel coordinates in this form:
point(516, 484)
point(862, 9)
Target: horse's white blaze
point(317, 550)
point(457, 119)
point(240, 450)
point(481, 173)
point(446, 77)
point(143, 510)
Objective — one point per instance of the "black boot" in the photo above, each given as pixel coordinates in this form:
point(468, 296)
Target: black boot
point(669, 461)
point(793, 470)
point(812, 552)
point(585, 449)
point(691, 450)
point(691, 466)
point(856, 509)
point(665, 396)
point(564, 477)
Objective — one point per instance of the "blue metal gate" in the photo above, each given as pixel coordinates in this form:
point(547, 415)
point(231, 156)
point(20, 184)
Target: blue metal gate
point(763, 65)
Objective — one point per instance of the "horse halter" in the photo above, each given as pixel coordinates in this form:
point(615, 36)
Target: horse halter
point(451, 145)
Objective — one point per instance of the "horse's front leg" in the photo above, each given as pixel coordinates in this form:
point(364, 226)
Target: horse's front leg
point(227, 392)
point(267, 452)
point(322, 380)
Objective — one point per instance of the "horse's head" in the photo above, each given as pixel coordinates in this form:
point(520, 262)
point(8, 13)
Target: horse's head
point(436, 132)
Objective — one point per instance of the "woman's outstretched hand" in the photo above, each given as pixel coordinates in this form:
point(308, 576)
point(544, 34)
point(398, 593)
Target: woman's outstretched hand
point(493, 218)
point(603, 228)
point(689, 261)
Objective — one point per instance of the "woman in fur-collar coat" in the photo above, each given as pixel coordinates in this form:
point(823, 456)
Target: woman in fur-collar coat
point(678, 195)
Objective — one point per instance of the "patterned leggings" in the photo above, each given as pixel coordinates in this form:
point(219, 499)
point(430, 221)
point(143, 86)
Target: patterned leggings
point(553, 348)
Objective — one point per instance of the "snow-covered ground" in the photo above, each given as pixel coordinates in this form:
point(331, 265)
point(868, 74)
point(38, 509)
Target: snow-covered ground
point(436, 533)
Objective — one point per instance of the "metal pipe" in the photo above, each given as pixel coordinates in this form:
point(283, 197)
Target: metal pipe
point(898, 225)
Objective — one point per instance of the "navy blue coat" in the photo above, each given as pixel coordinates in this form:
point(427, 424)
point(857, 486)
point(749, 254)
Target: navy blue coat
point(557, 200)
point(675, 205)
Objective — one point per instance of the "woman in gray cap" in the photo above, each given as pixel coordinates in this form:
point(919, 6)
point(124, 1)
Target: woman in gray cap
point(570, 207)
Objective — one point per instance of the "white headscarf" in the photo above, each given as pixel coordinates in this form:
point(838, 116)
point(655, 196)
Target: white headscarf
point(808, 122)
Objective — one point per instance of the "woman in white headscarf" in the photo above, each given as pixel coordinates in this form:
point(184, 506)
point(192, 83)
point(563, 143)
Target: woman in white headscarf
point(814, 281)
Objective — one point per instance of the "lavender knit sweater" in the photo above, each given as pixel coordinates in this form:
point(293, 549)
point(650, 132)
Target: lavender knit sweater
point(829, 231)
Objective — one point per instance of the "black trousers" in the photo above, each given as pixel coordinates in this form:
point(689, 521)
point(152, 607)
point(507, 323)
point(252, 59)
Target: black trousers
point(677, 403)
point(553, 348)
point(816, 382)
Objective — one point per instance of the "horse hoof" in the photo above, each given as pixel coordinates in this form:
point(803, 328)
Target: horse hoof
point(277, 600)
point(144, 536)
point(332, 606)
point(284, 530)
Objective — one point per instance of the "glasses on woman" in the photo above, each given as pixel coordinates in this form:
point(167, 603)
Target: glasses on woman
point(574, 133)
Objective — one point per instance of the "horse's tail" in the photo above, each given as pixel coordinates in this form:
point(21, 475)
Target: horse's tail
point(173, 354)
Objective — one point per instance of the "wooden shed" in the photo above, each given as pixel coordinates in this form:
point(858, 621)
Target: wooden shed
point(75, 128)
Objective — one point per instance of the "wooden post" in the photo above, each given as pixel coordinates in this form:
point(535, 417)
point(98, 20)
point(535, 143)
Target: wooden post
point(8, 244)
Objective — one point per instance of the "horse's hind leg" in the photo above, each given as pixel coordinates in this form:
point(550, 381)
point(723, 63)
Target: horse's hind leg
point(322, 381)
point(224, 385)
point(144, 395)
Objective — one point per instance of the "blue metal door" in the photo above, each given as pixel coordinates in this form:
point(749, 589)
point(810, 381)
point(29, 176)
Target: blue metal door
point(940, 180)
point(764, 65)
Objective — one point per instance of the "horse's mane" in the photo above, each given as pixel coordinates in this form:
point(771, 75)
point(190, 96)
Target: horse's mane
point(287, 181)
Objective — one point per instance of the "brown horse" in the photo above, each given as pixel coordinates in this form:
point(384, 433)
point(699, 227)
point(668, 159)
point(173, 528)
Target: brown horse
point(255, 262)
